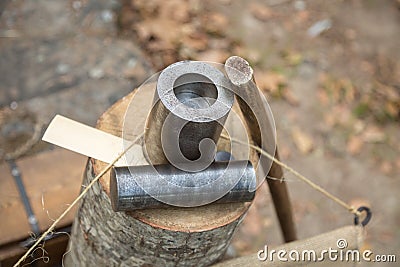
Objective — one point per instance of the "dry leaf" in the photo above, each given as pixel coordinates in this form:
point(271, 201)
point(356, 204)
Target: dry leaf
point(302, 16)
point(214, 55)
point(270, 81)
point(215, 23)
point(392, 109)
point(164, 33)
point(302, 140)
point(290, 97)
point(196, 41)
point(175, 10)
point(354, 145)
point(367, 67)
point(260, 12)
point(373, 134)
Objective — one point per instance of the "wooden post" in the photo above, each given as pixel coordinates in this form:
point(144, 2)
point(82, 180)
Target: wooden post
point(160, 237)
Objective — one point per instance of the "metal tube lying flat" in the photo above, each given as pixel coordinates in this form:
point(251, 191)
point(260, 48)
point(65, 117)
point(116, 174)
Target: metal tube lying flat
point(126, 194)
point(240, 74)
point(191, 104)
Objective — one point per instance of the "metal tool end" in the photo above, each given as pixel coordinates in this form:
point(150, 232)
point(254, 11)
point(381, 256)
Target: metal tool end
point(239, 70)
point(145, 187)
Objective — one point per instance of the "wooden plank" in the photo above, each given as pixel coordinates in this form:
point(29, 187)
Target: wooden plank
point(52, 180)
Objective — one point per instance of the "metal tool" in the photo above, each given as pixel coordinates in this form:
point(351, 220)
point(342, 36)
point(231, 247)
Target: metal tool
point(16, 174)
point(126, 194)
point(191, 104)
point(240, 74)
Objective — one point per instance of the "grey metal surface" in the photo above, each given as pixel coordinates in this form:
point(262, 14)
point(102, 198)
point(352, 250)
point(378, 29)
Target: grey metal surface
point(191, 104)
point(126, 194)
point(16, 174)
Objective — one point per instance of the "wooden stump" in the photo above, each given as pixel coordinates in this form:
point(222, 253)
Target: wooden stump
point(161, 237)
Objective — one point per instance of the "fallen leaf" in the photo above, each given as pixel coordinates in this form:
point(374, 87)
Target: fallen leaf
point(354, 145)
point(166, 31)
point(215, 23)
point(270, 81)
point(392, 109)
point(260, 12)
point(175, 10)
point(290, 97)
point(196, 41)
point(367, 67)
point(302, 16)
point(214, 55)
point(302, 140)
point(373, 134)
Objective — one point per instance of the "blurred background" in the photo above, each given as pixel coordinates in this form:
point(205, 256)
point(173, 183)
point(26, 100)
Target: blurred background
point(330, 70)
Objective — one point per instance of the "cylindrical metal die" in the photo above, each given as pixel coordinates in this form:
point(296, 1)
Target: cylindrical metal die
point(234, 181)
point(191, 104)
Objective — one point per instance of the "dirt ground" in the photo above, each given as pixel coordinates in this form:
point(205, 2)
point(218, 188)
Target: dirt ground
point(330, 70)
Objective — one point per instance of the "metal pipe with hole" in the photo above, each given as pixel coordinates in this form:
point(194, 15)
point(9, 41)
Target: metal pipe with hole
point(191, 104)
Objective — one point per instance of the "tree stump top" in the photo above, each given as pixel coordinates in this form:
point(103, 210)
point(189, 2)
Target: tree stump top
point(195, 219)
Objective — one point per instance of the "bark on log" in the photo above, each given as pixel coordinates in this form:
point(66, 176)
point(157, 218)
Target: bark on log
point(160, 237)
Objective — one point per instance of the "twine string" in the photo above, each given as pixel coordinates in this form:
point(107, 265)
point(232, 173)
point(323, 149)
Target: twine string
point(297, 174)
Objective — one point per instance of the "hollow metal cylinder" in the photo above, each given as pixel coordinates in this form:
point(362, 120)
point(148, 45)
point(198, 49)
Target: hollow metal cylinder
point(191, 104)
point(126, 194)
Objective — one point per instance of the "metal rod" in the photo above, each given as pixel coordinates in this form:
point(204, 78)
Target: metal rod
point(223, 182)
point(16, 174)
point(240, 74)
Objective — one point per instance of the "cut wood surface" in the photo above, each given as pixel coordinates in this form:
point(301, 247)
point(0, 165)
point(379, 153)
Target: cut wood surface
point(52, 180)
point(178, 219)
point(162, 237)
